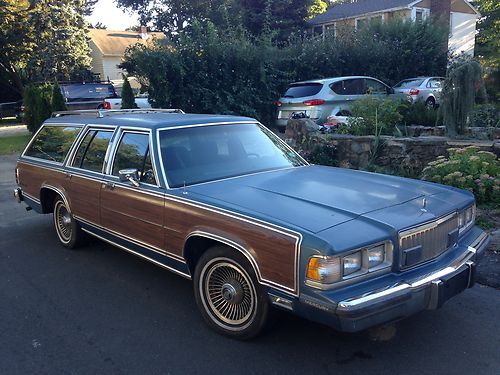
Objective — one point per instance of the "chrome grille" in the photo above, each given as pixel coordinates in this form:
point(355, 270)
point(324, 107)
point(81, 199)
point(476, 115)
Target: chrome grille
point(427, 241)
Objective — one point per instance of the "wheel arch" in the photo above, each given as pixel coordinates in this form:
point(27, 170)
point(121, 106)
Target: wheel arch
point(47, 195)
point(198, 242)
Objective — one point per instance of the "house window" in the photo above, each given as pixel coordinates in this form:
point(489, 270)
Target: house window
point(362, 22)
point(419, 14)
point(331, 29)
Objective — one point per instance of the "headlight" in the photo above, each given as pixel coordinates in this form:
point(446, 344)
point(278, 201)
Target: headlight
point(331, 269)
point(352, 263)
point(376, 256)
point(466, 218)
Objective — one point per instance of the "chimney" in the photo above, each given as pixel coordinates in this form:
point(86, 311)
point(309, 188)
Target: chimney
point(440, 12)
point(143, 30)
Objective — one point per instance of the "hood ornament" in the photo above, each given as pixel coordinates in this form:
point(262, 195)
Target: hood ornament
point(424, 205)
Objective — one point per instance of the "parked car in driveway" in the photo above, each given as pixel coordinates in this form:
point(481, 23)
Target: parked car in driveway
point(223, 201)
point(425, 89)
point(87, 95)
point(116, 103)
point(11, 109)
point(322, 98)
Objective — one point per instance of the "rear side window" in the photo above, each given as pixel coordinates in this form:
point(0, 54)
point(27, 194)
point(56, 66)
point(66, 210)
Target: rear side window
point(435, 83)
point(300, 90)
point(133, 152)
point(349, 87)
point(92, 151)
point(409, 83)
point(53, 143)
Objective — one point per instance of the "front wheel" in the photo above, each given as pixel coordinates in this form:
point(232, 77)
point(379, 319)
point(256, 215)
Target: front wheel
point(228, 295)
point(67, 229)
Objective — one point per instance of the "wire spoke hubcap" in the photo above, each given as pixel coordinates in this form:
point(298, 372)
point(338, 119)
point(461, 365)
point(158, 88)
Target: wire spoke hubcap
point(63, 222)
point(229, 292)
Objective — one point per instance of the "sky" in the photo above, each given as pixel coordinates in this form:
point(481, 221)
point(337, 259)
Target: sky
point(106, 12)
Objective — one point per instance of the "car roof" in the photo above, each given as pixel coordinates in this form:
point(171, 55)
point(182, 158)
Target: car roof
point(331, 79)
point(147, 120)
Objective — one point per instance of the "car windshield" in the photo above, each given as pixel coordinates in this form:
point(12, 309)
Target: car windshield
point(409, 83)
point(300, 90)
point(208, 153)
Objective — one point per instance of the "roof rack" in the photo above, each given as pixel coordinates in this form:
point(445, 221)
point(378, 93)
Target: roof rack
point(100, 113)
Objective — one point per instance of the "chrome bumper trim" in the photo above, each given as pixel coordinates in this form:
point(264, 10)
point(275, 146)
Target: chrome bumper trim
point(406, 288)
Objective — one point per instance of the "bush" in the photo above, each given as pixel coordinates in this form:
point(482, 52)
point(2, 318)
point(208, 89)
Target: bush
point(485, 115)
point(468, 168)
point(37, 105)
point(128, 98)
point(58, 103)
point(373, 116)
point(418, 114)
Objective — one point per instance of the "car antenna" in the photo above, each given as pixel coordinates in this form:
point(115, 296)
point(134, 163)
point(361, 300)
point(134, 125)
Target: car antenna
point(184, 189)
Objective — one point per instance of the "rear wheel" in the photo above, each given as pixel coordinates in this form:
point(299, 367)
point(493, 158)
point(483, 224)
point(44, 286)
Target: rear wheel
point(430, 103)
point(228, 295)
point(67, 229)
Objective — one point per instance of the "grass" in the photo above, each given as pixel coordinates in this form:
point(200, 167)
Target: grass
point(13, 143)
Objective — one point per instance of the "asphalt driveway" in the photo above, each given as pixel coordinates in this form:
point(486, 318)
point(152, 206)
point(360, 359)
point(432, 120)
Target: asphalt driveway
point(100, 310)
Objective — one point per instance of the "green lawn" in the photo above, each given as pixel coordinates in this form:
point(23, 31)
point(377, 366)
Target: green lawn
point(14, 143)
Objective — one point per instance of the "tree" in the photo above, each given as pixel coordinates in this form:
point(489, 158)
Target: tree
point(62, 43)
point(316, 8)
point(16, 41)
point(128, 99)
point(58, 103)
point(488, 42)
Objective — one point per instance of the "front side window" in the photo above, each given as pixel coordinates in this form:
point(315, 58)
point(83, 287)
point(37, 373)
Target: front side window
point(133, 152)
point(209, 153)
point(92, 151)
point(375, 87)
point(53, 143)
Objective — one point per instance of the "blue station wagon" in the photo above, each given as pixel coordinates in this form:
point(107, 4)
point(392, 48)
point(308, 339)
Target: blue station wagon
point(225, 202)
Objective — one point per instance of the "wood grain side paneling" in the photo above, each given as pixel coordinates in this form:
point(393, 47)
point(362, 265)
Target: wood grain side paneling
point(33, 177)
point(83, 197)
point(274, 252)
point(133, 214)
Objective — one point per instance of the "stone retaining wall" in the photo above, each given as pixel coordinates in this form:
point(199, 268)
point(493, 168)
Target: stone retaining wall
point(408, 155)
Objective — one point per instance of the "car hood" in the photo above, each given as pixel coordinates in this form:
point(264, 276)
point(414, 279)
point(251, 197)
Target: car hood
point(314, 198)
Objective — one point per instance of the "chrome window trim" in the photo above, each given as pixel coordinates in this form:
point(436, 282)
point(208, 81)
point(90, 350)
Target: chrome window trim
point(116, 144)
point(287, 146)
point(44, 125)
point(88, 128)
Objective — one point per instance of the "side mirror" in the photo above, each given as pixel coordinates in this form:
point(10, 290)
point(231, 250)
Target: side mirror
point(131, 175)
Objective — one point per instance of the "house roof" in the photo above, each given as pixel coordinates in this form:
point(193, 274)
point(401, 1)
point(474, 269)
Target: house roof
point(357, 8)
point(114, 43)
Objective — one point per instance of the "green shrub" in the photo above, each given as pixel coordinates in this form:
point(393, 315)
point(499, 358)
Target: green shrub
point(128, 98)
point(418, 114)
point(485, 115)
point(468, 168)
point(37, 105)
point(373, 116)
point(58, 103)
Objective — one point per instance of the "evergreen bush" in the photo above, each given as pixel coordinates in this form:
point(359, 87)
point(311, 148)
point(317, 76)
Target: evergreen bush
point(128, 98)
point(37, 105)
point(58, 103)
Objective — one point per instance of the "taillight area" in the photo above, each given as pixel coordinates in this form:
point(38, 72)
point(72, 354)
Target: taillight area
point(279, 104)
point(314, 102)
point(17, 175)
point(414, 91)
point(107, 105)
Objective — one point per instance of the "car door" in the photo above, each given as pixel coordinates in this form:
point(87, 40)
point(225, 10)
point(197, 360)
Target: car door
point(135, 213)
point(347, 90)
point(85, 173)
point(377, 88)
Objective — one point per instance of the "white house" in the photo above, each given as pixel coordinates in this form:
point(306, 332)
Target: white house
point(459, 14)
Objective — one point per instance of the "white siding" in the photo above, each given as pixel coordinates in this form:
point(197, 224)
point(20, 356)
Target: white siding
point(110, 69)
point(462, 33)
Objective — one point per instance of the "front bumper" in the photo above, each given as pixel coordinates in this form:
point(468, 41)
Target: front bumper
point(401, 298)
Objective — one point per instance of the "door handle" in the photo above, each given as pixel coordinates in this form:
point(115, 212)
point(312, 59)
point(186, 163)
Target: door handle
point(67, 175)
point(108, 184)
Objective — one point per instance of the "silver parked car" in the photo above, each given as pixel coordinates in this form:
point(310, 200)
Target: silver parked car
point(425, 89)
point(320, 98)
